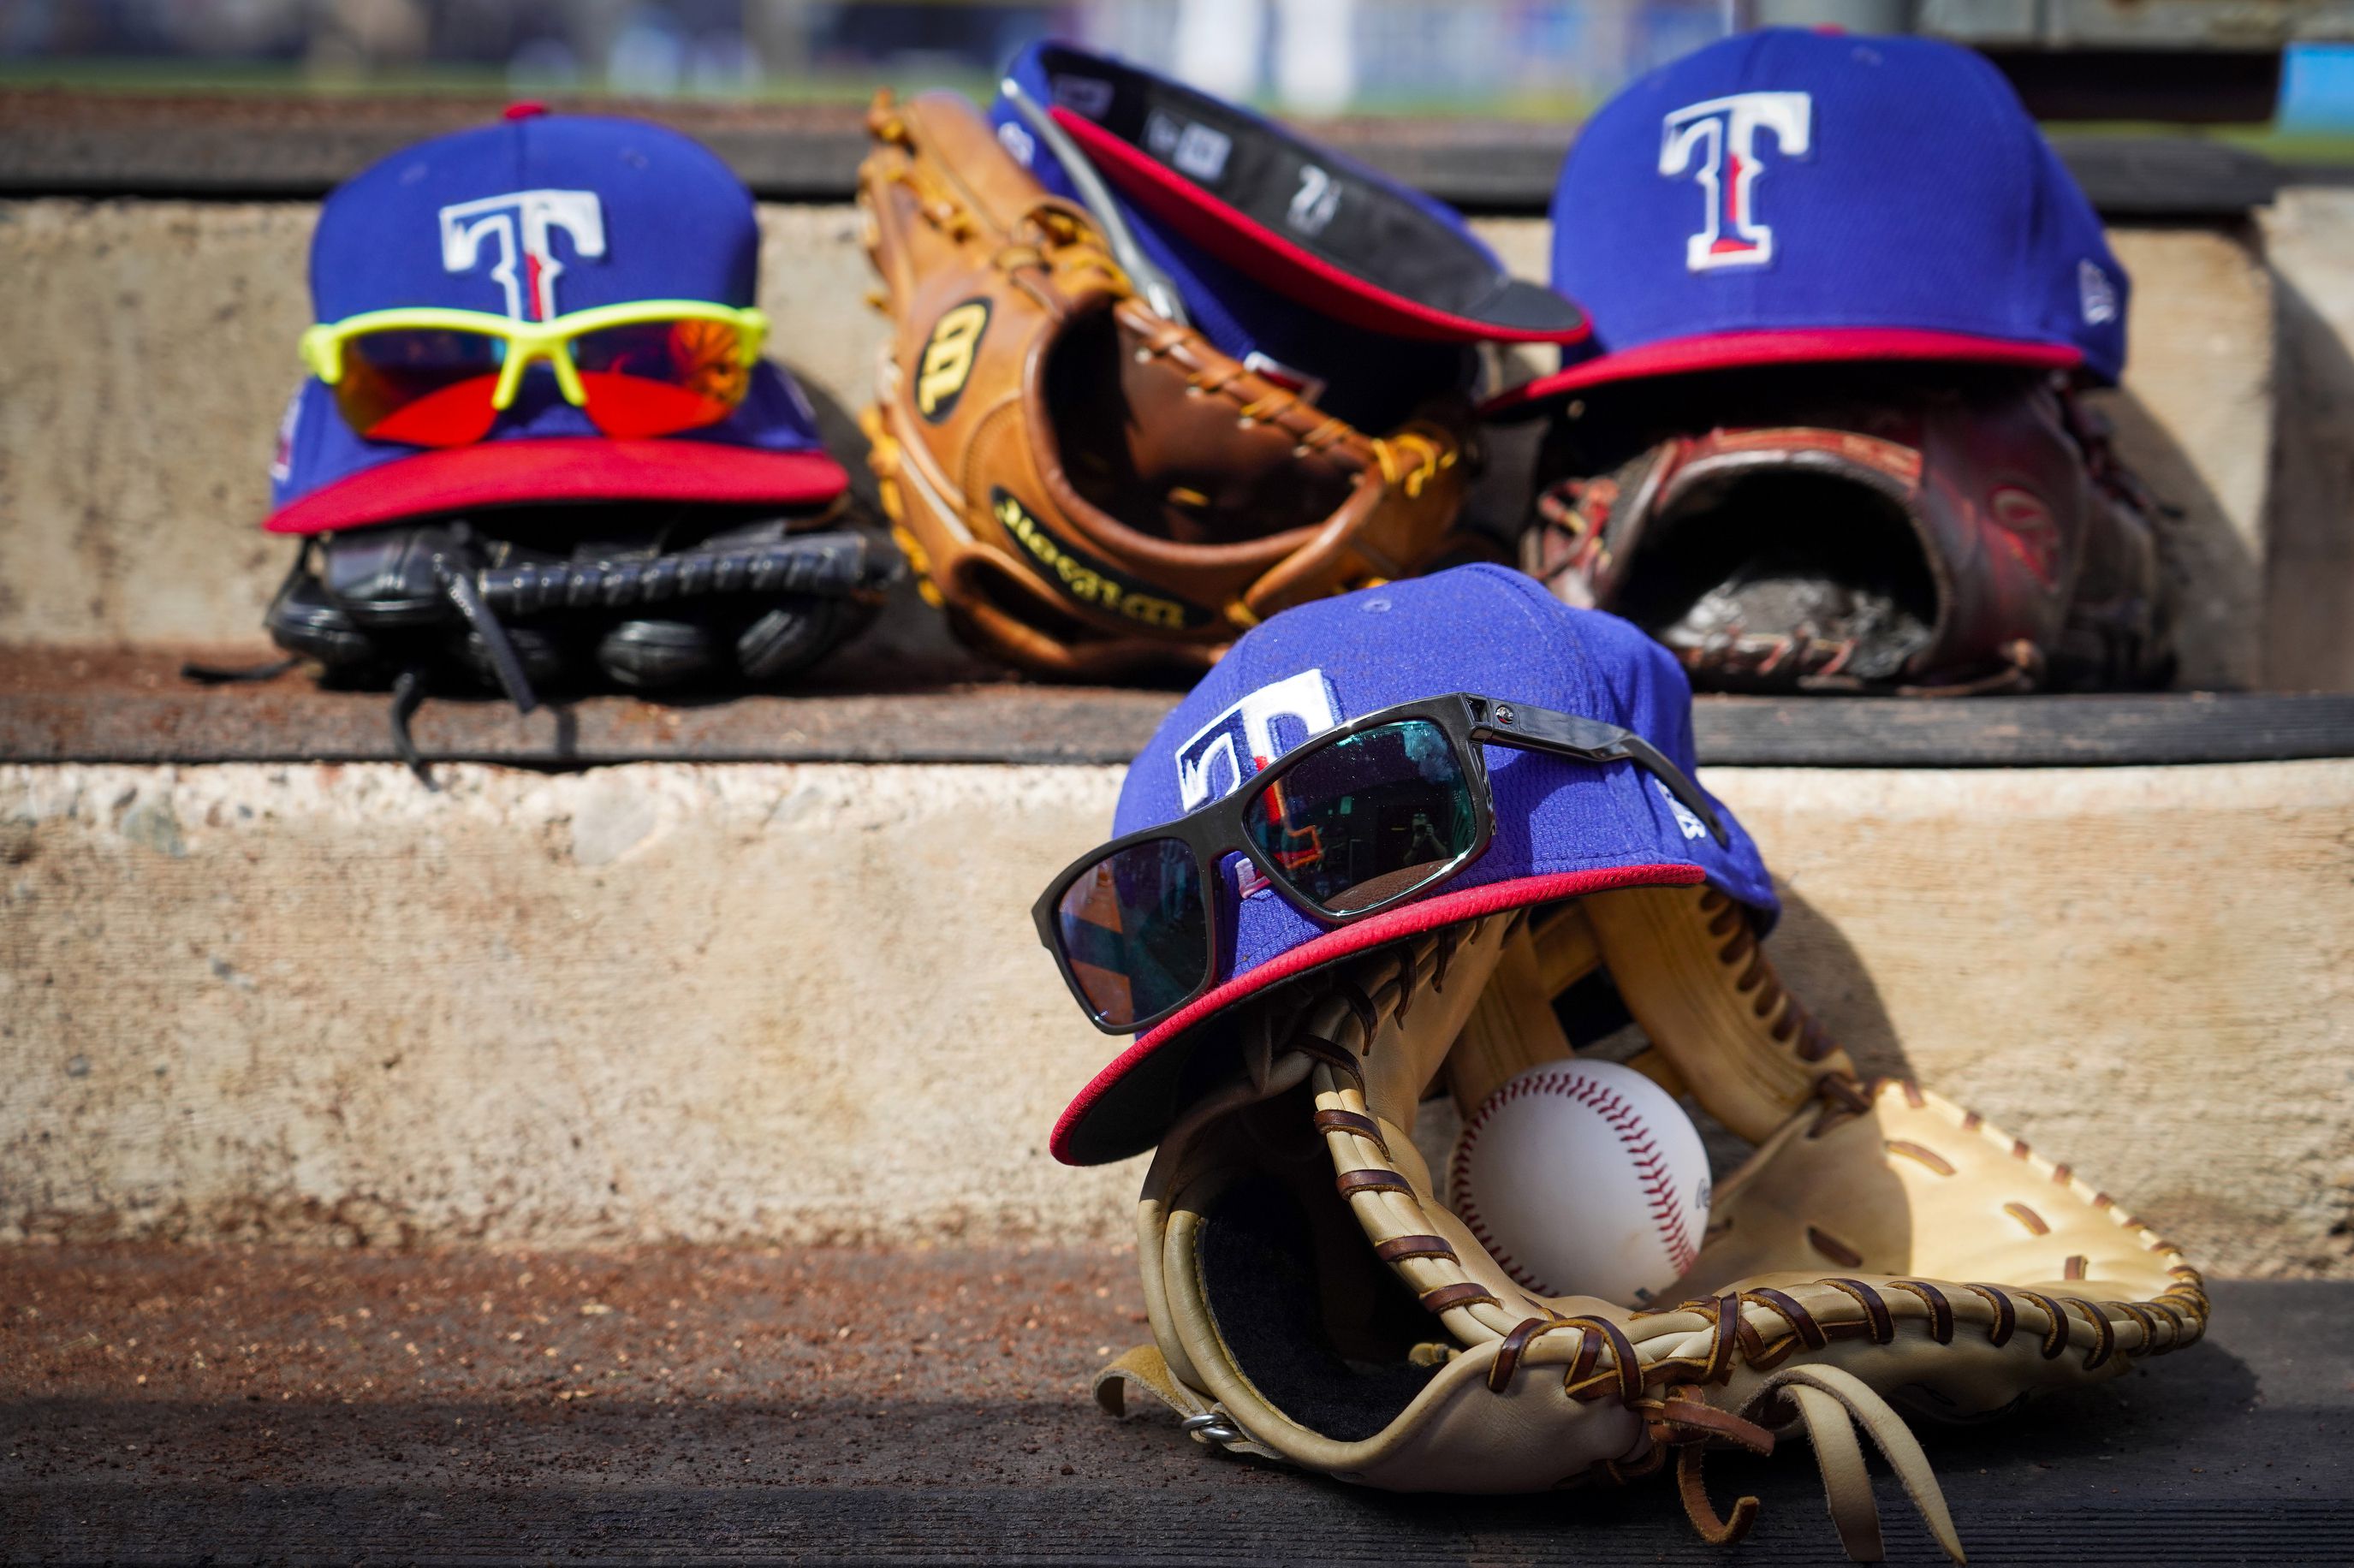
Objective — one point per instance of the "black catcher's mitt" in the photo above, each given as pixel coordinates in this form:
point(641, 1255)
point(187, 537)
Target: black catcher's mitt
point(646, 597)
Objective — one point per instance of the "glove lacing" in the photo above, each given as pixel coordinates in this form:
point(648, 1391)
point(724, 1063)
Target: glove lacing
point(1678, 1420)
point(1832, 1403)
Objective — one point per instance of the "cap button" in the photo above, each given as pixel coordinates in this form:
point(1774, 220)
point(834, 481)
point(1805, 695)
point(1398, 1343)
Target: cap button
point(529, 109)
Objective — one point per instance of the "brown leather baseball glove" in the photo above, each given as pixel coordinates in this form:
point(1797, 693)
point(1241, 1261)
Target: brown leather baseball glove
point(1313, 1300)
point(1087, 488)
point(1858, 528)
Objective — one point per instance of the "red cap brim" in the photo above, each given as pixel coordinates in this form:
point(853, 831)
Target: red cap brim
point(524, 473)
point(1244, 243)
point(1097, 1127)
point(1731, 351)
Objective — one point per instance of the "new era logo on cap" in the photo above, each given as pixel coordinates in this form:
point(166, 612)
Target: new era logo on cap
point(1787, 195)
point(2099, 295)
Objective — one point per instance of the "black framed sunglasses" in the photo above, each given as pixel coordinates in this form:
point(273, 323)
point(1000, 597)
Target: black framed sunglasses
point(1378, 810)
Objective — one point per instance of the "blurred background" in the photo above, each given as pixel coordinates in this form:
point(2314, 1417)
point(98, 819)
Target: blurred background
point(1314, 56)
point(2272, 69)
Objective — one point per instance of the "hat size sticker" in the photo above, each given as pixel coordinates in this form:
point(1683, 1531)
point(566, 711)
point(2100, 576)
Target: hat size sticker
point(1189, 146)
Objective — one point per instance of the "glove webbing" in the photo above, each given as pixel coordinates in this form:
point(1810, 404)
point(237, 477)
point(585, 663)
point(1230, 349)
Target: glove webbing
point(836, 565)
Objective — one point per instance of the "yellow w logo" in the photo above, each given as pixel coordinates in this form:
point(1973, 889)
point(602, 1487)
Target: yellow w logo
point(947, 358)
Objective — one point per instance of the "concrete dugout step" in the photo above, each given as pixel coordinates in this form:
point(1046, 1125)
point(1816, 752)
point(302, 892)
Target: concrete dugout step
point(902, 1406)
point(154, 351)
point(801, 1002)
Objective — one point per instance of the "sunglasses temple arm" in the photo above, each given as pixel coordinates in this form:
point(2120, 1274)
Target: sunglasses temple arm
point(1591, 740)
point(323, 352)
point(1645, 755)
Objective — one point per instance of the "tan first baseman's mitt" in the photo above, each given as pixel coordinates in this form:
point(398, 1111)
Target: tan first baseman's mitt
point(1087, 488)
point(1313, 1300)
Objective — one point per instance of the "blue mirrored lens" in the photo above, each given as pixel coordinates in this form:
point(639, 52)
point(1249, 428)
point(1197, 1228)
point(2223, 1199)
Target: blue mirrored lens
point(1368, 819)
point(1135, 931)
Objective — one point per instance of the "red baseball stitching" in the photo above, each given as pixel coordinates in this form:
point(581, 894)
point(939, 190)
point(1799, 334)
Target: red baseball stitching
point(1634, 1135)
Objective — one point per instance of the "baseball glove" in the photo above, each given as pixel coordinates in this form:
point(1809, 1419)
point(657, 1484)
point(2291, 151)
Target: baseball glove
point(1312, 1300)
point(1087, 487)
point(647, 597)
point(1858, 528)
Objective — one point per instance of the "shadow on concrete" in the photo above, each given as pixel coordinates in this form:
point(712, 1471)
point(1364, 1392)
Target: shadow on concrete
point(909, 643)
point(2308, 591)
point(2203, 1457)
point(2214, 582)
point(1825, 971)
point(930, 1406)
point(1500, 498)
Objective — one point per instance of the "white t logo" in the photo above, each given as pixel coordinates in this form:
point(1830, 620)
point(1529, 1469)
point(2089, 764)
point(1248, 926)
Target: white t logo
point(1721, 135)
point(1253, 733)
point(520, 221)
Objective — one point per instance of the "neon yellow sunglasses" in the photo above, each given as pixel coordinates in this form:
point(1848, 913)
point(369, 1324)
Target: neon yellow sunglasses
point(434, 378)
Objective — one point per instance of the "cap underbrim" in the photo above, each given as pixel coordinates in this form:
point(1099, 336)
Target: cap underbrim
point(1733, 351)
point(523, 472)
point(1518, 312)
point(1128, 1107)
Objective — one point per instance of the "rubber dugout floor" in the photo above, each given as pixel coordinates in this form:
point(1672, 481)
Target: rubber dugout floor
point(931, 1406)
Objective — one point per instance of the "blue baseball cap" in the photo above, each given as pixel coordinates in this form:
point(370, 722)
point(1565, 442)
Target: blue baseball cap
point(537, 217)
point(1252, 221)
point(1787, 196)
point(1563, 829)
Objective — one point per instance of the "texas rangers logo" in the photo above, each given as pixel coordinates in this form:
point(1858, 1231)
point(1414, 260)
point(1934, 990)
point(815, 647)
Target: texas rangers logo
point(1253, 733)
point(519, 226)
point(1716, 143)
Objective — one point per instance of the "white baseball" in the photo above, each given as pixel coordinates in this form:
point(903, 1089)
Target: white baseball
point(1585, 1178)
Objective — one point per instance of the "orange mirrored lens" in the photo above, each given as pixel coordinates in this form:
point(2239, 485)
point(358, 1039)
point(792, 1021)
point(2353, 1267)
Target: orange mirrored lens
point(654, 378)
point(424, 386)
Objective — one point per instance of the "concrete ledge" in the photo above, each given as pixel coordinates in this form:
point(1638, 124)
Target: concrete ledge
point(782, 1003)
point(153, 350)
point(136, 706)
